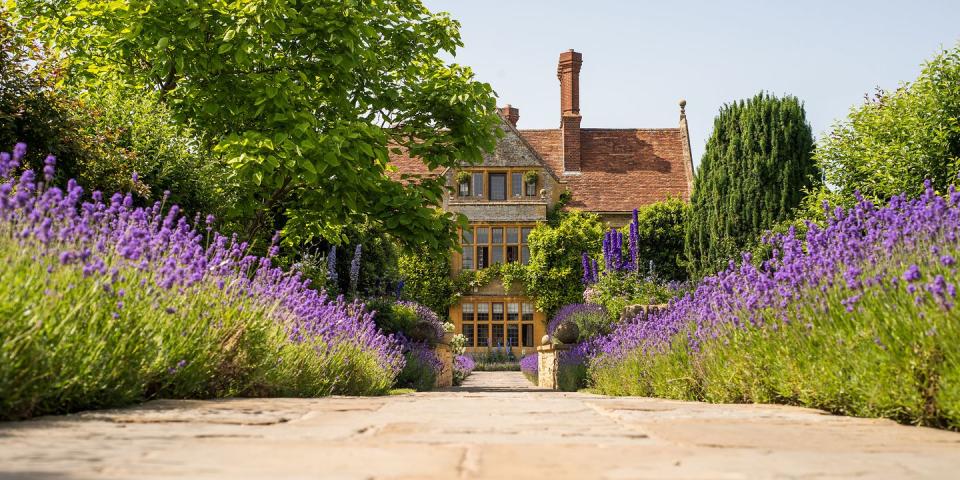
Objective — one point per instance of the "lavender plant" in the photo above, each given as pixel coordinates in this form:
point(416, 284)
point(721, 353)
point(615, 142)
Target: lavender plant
point(463, 366)
point(530, 367)
point(858, 318)
point(107, 304)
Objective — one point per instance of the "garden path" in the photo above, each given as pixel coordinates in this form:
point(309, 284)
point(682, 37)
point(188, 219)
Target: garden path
point(495, 426)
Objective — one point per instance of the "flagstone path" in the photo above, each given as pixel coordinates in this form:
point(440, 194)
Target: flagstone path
point(495, 426)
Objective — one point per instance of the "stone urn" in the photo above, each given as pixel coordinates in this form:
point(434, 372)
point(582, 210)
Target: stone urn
point(567, 332)
point(424, 332)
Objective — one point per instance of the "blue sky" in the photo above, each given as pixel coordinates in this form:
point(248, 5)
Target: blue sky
point(641, 57)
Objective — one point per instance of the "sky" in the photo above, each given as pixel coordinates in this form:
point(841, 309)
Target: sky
point(640, 57)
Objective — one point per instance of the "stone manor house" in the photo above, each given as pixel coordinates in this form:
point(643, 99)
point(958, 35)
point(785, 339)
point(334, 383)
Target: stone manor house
point(609, 171)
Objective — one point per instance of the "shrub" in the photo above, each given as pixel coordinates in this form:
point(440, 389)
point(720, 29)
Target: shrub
point(591, 320)
point(897, 139)
point(426, 279)
point(619, 290)
point(660, 237)
point(858, 319)
point(117, 304)
point(496, 361)
point(554, 273)
point(421, 367)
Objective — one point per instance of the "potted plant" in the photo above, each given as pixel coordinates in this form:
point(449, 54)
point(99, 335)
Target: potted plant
point(463, 183)
point(530, 180)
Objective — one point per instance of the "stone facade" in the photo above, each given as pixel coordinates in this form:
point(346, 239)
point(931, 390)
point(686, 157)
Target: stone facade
point(606, 171)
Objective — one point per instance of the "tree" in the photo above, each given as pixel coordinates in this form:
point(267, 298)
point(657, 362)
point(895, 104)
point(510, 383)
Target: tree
point(756, 167)
point(896, 140)
point(554, 274)
point(100, 138)
point(426, 280)
point(302, 98)
point(660, 232)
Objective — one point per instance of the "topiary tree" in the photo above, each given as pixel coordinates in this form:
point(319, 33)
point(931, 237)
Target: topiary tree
point(554, 274)
point(896, 140)
point(757, 165)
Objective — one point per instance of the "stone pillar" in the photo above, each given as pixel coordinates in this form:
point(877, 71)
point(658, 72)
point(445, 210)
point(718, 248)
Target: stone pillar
point(548, 362)
point(443, 351)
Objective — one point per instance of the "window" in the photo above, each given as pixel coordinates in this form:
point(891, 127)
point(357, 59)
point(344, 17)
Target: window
point(478, 184)
point(498, 186)
point(516, 184)
point(512, 335)
point(467, 240)
point(464, 189)
point(496, 339)
point(483, 312)
point(483, 335)
point(485, 246)
point(527, 335)
point(527, 312)
point(513, 312)
point(497, 312)
point(494, 322)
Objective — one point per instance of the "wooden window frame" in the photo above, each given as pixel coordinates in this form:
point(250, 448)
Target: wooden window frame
point(479, 184)
point(522, 245)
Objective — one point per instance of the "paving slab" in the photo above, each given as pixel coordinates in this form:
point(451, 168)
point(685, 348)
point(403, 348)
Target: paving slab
point(495, 426)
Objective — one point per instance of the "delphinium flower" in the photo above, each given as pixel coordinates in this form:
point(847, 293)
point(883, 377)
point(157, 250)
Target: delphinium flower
point(355, 269)
point(332, 265)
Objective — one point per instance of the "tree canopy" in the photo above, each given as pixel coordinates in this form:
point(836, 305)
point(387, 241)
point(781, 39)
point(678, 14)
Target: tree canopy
point(897, 139)
point(755, 170)
point(303, 99)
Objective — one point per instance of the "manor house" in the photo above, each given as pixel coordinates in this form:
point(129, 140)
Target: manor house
point(609, 171)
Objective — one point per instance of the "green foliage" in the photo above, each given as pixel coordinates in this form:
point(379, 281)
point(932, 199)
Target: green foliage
point(66, 345)
point(496, 361)
point(661, 230)
point(417, 373)
point(426, 279)
point(896, 140)
point(302, 100)
point(554, 274)
point(392, 318)
point(755, 169)
point(102, 136)
point(615, 291)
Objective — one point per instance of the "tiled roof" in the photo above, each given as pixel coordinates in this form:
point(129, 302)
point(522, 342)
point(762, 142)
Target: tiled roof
point(621, 169)
point(407, 165)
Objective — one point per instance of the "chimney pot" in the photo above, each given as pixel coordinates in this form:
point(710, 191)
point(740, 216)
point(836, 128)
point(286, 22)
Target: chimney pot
point(511, 113)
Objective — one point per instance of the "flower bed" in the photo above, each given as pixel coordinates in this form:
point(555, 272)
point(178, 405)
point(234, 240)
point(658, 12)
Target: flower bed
point(463, 366)
point(108, 304)
point(530, 367)
point(858, 318)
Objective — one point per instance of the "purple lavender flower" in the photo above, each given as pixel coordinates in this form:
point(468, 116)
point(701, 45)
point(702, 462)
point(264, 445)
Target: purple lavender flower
point(912, 274)
point(355, 269)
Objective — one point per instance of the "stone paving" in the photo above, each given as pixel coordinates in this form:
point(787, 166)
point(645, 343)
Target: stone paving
point(495, 426)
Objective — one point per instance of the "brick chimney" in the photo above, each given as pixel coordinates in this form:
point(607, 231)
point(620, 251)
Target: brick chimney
point(568, 71)
point(511, 113)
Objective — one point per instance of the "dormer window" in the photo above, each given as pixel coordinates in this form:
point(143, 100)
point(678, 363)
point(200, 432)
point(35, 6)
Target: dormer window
point(516, 184)
point(478, 184)
point(464, 189)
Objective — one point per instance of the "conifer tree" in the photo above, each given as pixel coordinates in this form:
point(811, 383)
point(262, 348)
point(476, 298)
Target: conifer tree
point(756, 167)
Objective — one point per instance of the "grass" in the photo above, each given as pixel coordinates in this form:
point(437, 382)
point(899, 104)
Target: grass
point(401, 391)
